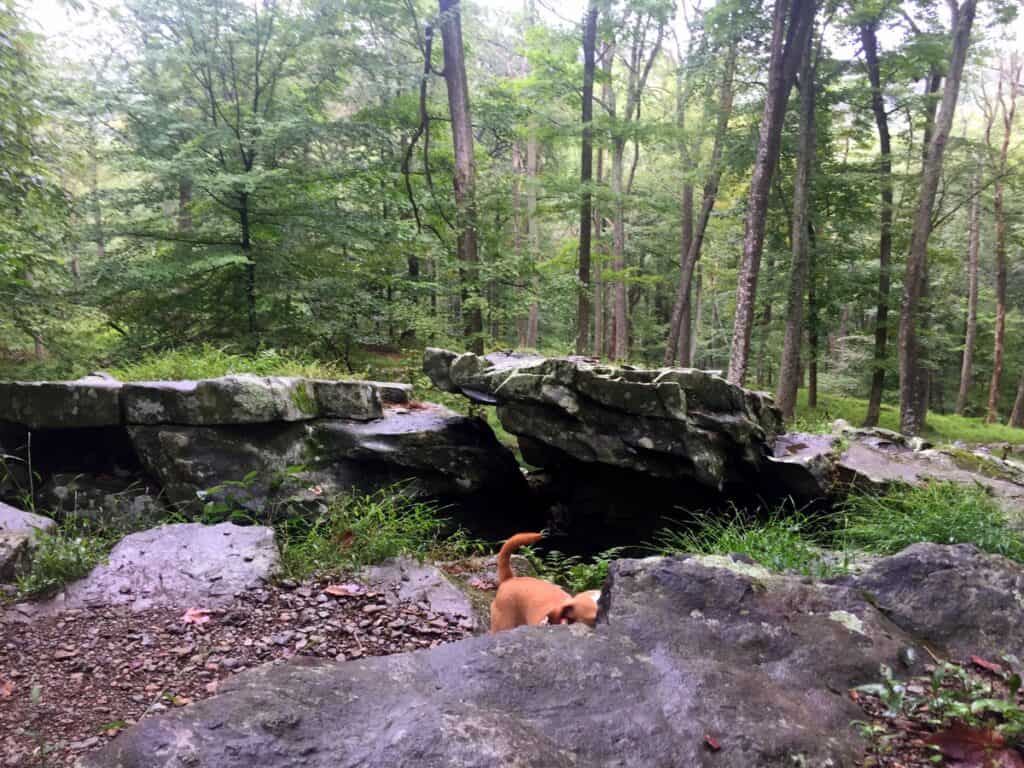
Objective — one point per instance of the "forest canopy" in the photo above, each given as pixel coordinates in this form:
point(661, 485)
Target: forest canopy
point(803, 194)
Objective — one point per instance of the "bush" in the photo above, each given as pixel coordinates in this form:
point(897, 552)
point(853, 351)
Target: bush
point(786, 540)
point(943, 513)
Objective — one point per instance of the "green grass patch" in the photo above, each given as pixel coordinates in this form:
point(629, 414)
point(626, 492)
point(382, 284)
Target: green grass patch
point(361, 529)
point(208, 361)
point(942, 513)
point(786, 540)
point(65, 554)
point(941, 428)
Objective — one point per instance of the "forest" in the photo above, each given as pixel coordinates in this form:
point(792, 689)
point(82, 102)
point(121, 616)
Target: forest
point(818, 199)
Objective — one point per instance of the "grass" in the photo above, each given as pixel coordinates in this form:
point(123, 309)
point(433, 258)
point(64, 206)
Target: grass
point(361, 529)
point(208, 361)
point(787, 540)
point(64, 554)
point(943, 513)
point(941, 428)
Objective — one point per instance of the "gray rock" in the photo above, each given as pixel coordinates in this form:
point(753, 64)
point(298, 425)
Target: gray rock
point(684, 648)
point(122, 500)
point(93, 401)
point(392, 392)
point(180, 566)
point(669, 423)
point(17, 536)
point(404, 580)
point(442, 453)
point(246, 399)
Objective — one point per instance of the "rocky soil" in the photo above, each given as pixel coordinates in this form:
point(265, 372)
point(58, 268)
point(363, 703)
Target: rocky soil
point(99, 670)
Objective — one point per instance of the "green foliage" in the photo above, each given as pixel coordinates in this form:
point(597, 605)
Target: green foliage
point(572, 572)
point(209, 361)
point(358, 529)
point(786, 540)
point(943, 513)
point(65, 554)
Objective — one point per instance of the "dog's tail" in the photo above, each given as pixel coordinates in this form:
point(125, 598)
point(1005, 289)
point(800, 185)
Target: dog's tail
point(504, 556)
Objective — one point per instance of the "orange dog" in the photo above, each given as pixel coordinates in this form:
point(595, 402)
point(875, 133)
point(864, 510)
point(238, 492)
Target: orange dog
point(524, 600)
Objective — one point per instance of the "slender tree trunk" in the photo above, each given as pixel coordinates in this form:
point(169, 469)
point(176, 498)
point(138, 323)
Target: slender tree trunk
point(586, 178)
point(620, 334)
point(789, 367)
point(1010, 72)
point(869, 42)
point(813, 323)
point(464, 177)
point(697, 314)
point(971, 334)
point(1017, 416)
point(788, 42)
point(679, 340)
point(599, 327)
point(250, 263)
point(912, 417)
point(532, 231)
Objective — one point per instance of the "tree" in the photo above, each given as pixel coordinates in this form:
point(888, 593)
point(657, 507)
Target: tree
point(464, 177)
point(912, 409)
point(971, 334)
point(869, 45)
point(586, 177)
point(789, 368)
point(1009, 81)
point(791, 29)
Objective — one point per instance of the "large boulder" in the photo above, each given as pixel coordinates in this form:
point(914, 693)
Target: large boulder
point(441, 454)
point(17, 536)
point(183, 565)
point(93, 401)
point(689, 653)
point(247, 399)
point(665, 423)
point(829, 466)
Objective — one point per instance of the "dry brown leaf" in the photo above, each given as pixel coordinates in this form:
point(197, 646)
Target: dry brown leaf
point(196, 616)
point(344, 590)
point(6, 689)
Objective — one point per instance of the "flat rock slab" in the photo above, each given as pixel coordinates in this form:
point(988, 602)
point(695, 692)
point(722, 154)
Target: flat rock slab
point(685, 648)
point(184, 565)
point(403, 580)
point(17, 534)
point(246, 399)
point(94, 401)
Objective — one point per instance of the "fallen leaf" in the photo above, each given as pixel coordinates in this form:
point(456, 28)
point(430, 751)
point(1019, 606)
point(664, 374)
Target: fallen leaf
point(989, 665)
point(344, 590)
point(711, 742)
point(6, 689)
point(969, 747)
point(196, 616)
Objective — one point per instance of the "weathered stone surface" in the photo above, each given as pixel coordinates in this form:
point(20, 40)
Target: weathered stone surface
point(829, 466)
point(182, 566)
point(93, 401)
point(405, 580)
point(17, 532)
point(684, 648)
point(246, 399)
point(392, 392)
point(124, 499)
point(670, 423)
point(441, 453)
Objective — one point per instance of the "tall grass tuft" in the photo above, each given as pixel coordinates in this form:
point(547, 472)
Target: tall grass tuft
point(943, 513)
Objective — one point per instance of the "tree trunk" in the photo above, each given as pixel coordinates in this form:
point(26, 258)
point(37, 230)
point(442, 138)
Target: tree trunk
point(971, 334)
point(250, 263)
point(789, 367)
point(695, 327)
point(787, 46)
point(532, 231)
point(812, 319)
point(586, 178)
point(912, 417)
point(1010, 73)
point(464, 178)
point(599, 327)
point(679, 340)
point(1017, 416)
point(620, 335)
point(869, 42)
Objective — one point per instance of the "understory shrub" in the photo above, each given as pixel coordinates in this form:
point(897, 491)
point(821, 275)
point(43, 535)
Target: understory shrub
point(64, 554)
point(572, 572)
